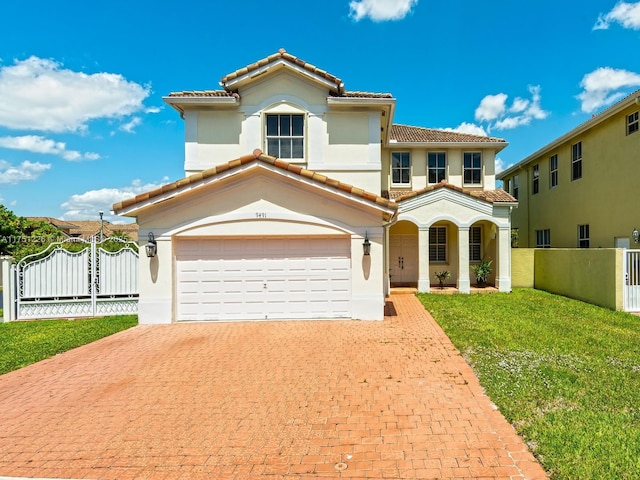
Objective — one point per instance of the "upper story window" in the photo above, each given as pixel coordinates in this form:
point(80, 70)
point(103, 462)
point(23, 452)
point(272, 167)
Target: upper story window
point(472, 168)
point(401, 168)
point(535, 180)
point(553, 171)
point(632, 123)
point(437, 166)
point(285, 135)
point(576, 161)
point(515, 188)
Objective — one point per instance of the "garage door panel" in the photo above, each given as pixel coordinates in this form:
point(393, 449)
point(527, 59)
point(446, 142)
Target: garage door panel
point(246, 279)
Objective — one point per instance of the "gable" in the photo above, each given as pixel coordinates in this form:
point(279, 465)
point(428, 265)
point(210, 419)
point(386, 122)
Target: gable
point(277, 62)
point(223, 175)
point(259, 202)
point(284, 86)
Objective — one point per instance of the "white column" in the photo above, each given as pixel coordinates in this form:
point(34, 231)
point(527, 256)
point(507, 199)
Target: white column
point(424, 282)
point(464, 285)
point(503, 275)
point(7, 289)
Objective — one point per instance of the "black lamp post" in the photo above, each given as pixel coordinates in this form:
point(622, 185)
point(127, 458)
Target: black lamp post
point(101, 213)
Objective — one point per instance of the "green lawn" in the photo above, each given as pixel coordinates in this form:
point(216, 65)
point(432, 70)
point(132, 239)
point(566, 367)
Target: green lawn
point(566, 374)
point(23, 343)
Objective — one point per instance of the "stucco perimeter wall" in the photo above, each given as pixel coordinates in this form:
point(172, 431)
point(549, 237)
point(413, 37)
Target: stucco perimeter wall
point(591, 275)
point(522, 267)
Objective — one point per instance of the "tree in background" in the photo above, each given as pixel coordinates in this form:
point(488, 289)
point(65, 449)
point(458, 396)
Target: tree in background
point(20, 237)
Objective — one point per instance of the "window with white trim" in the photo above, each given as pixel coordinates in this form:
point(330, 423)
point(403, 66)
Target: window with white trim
point(543, 238)
point(576, 161)
point(438, 244)
point(472, 171)
point(475, 244)
point(583, 236)
point(401, 169)
point(285, 135)
point(535, 180)
point(553, 171)
point(437, 166)
point(632, 123)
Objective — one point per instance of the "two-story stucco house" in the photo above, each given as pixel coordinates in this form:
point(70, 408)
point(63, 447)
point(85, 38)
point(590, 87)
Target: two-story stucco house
point(304, 200)
point(579, 190)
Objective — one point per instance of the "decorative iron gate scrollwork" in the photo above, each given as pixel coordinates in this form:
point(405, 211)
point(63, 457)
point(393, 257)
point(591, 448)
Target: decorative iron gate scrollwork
point(59, 283)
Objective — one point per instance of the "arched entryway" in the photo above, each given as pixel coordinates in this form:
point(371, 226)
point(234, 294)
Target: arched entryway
point(403, 254)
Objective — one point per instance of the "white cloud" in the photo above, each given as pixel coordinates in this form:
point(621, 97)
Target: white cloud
point(626, 14)
point(491, 107)
point(38, 144)
point(500, 166)
point(381, 10)
point(39, 94)
point(602, 87)
point(19, 173)
point(130, 126)
point(494, 108)
point(519, 105)
point(470, 128)
point(153, 110)
point(86, 205)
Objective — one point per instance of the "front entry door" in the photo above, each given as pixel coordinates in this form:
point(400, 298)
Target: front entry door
point(403, 260)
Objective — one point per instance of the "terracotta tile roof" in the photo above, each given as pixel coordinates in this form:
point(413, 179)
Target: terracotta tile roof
point(490, 196)
point(53, 221)
point(405, 133)
point(355, 94)
point(395, 194)
point(282, 54)
point(89, 228)
point(257, 156)
point(203, 93)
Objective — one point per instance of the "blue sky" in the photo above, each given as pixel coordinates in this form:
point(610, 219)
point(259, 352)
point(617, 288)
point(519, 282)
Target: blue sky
point(83, 124)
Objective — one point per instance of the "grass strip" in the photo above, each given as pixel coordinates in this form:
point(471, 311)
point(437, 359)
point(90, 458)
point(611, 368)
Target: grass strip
point(565, 373)
point(24, 343)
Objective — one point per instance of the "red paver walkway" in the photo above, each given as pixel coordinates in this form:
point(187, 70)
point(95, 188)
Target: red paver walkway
point(274, 400)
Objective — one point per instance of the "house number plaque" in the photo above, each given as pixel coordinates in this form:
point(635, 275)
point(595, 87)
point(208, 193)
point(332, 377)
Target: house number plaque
point(261, 214)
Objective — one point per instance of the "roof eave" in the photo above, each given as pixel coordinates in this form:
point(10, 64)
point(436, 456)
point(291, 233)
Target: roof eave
point(497, 146)
point(182, 103)
point(580, 129)
point(361, 101)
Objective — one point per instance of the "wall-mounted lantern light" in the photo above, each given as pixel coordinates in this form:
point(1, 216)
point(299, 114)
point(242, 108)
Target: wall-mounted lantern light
point(635, 235)
point(366, 245)
point(152, 246)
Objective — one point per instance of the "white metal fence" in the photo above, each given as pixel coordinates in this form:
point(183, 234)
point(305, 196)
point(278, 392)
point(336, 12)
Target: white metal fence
point(632, 281)
point(57, 283)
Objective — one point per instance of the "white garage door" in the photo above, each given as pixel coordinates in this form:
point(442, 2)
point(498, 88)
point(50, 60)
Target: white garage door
point(263, 278)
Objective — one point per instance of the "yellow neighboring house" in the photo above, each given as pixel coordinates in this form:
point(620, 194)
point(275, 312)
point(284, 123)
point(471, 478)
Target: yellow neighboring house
point(581, 190)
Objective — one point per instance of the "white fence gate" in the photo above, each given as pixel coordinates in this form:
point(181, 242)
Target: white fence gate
point(56, 283)
point(632, 281)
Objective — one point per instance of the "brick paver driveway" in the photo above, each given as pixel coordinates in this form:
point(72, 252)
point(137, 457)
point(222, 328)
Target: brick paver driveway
point(270, 400)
